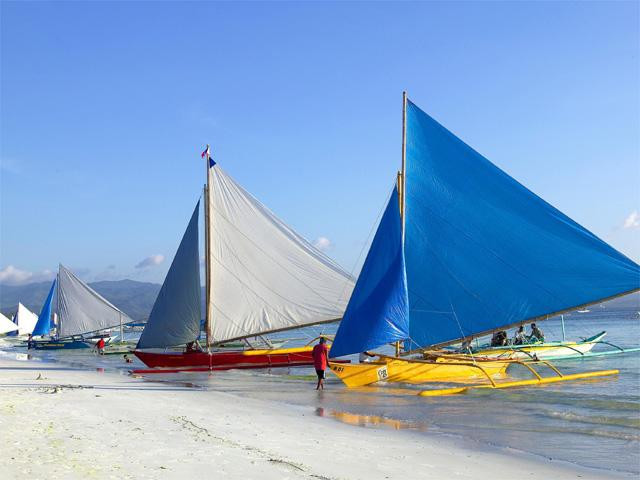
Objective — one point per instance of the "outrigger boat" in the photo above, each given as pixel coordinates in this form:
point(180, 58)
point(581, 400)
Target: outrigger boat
point(561, 350)
point(83, 314)
point(261, 277)
point(463, 250)
point(539, 350)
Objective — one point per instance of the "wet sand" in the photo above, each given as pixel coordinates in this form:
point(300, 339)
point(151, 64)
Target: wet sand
point(57, 422)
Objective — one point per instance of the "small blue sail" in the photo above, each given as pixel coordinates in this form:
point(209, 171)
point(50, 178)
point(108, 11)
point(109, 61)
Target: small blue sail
point(378, 309)
point(175, 316)
point(483, 252)
point(45, 322)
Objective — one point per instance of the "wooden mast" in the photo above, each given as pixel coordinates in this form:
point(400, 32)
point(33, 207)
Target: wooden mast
point(207, 261)
point(402, 182)
point(401, 178)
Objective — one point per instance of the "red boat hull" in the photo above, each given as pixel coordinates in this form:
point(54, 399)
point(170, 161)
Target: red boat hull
point(227, 360)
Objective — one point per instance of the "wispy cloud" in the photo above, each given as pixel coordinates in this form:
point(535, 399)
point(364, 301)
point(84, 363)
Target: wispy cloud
point(632, 221)
point(322, 243)
point(11, 275)
point(150, 261)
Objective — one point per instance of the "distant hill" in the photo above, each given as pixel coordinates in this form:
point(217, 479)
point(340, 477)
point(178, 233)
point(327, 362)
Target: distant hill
point(136, 298)
point(133, 298)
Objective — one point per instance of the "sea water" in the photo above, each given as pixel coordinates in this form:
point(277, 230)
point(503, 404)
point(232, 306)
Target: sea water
point(593, 423)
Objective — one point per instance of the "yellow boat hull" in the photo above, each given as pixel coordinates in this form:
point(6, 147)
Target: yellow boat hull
point(407, 371)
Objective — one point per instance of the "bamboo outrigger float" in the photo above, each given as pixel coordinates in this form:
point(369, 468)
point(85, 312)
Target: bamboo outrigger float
point(465, 252)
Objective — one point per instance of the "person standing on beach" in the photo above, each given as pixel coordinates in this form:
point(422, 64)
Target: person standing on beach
point(100, 346)
point(320, 356)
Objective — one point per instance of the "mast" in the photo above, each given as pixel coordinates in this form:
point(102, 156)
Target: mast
point(401, 179)
point(402, 182)
point(207, 260)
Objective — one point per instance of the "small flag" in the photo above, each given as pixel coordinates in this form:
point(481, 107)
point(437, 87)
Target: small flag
point(206, 153)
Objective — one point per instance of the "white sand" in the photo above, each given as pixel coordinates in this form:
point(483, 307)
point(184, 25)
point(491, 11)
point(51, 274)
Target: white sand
point(83, 424)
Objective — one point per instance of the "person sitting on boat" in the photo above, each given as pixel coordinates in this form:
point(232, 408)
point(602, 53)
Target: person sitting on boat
point(536, 334)
point(499, 339)
point(320, 356)
point(365, 357)
point(191, 347)
point(520, 337)
point(127, 359)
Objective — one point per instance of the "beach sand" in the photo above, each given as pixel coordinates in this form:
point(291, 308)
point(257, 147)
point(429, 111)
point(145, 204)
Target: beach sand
point(87, 424)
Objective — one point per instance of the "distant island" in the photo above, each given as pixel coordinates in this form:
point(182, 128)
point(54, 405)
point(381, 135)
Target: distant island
point(132, 297)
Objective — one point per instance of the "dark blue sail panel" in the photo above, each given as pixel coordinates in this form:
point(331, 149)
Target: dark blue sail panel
point(483, 252)
point(378, 309)
point(44, 325)
point(175, 316)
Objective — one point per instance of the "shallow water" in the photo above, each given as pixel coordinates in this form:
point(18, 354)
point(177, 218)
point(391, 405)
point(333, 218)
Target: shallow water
point(594, 423)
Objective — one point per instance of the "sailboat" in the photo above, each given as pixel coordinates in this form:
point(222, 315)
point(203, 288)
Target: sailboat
point(260, 276)
point(6, 325)
point(25, 319)
point(464, 250)
point(46, 323)
point(82, 314)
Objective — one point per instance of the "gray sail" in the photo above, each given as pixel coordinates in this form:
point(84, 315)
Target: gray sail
point(83, 310)
point(175, 317)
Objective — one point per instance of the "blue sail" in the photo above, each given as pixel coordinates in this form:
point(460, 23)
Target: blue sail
point(483, 252)
point(378, 309)
point(175, 316)
point(44, 324)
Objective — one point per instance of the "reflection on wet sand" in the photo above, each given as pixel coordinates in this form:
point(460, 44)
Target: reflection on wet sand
point(371, 420)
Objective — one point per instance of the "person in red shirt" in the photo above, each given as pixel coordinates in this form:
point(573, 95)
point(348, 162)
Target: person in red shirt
point(320, 356)
point(100, 346)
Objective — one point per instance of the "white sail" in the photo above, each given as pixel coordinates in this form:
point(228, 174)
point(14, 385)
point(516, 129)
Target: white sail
point(264, 276)
point(25, 319)
point(83, 310)
point(6, 325)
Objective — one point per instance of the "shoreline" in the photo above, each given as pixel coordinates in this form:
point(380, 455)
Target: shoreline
point(79, 423)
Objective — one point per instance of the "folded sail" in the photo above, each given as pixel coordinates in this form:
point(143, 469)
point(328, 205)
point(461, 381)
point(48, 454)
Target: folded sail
point(45, 320)
point(483, 252)
point(83, 310)
point(25, 319)
point(6, 325)
point(264, 276)
point(378, 311)
point(175, 316)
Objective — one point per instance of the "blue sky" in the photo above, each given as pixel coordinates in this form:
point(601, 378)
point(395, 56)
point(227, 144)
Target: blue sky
point(106, 106)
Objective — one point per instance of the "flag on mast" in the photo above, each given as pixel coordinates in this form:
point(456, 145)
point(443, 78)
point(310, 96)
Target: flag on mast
point(207, 154)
